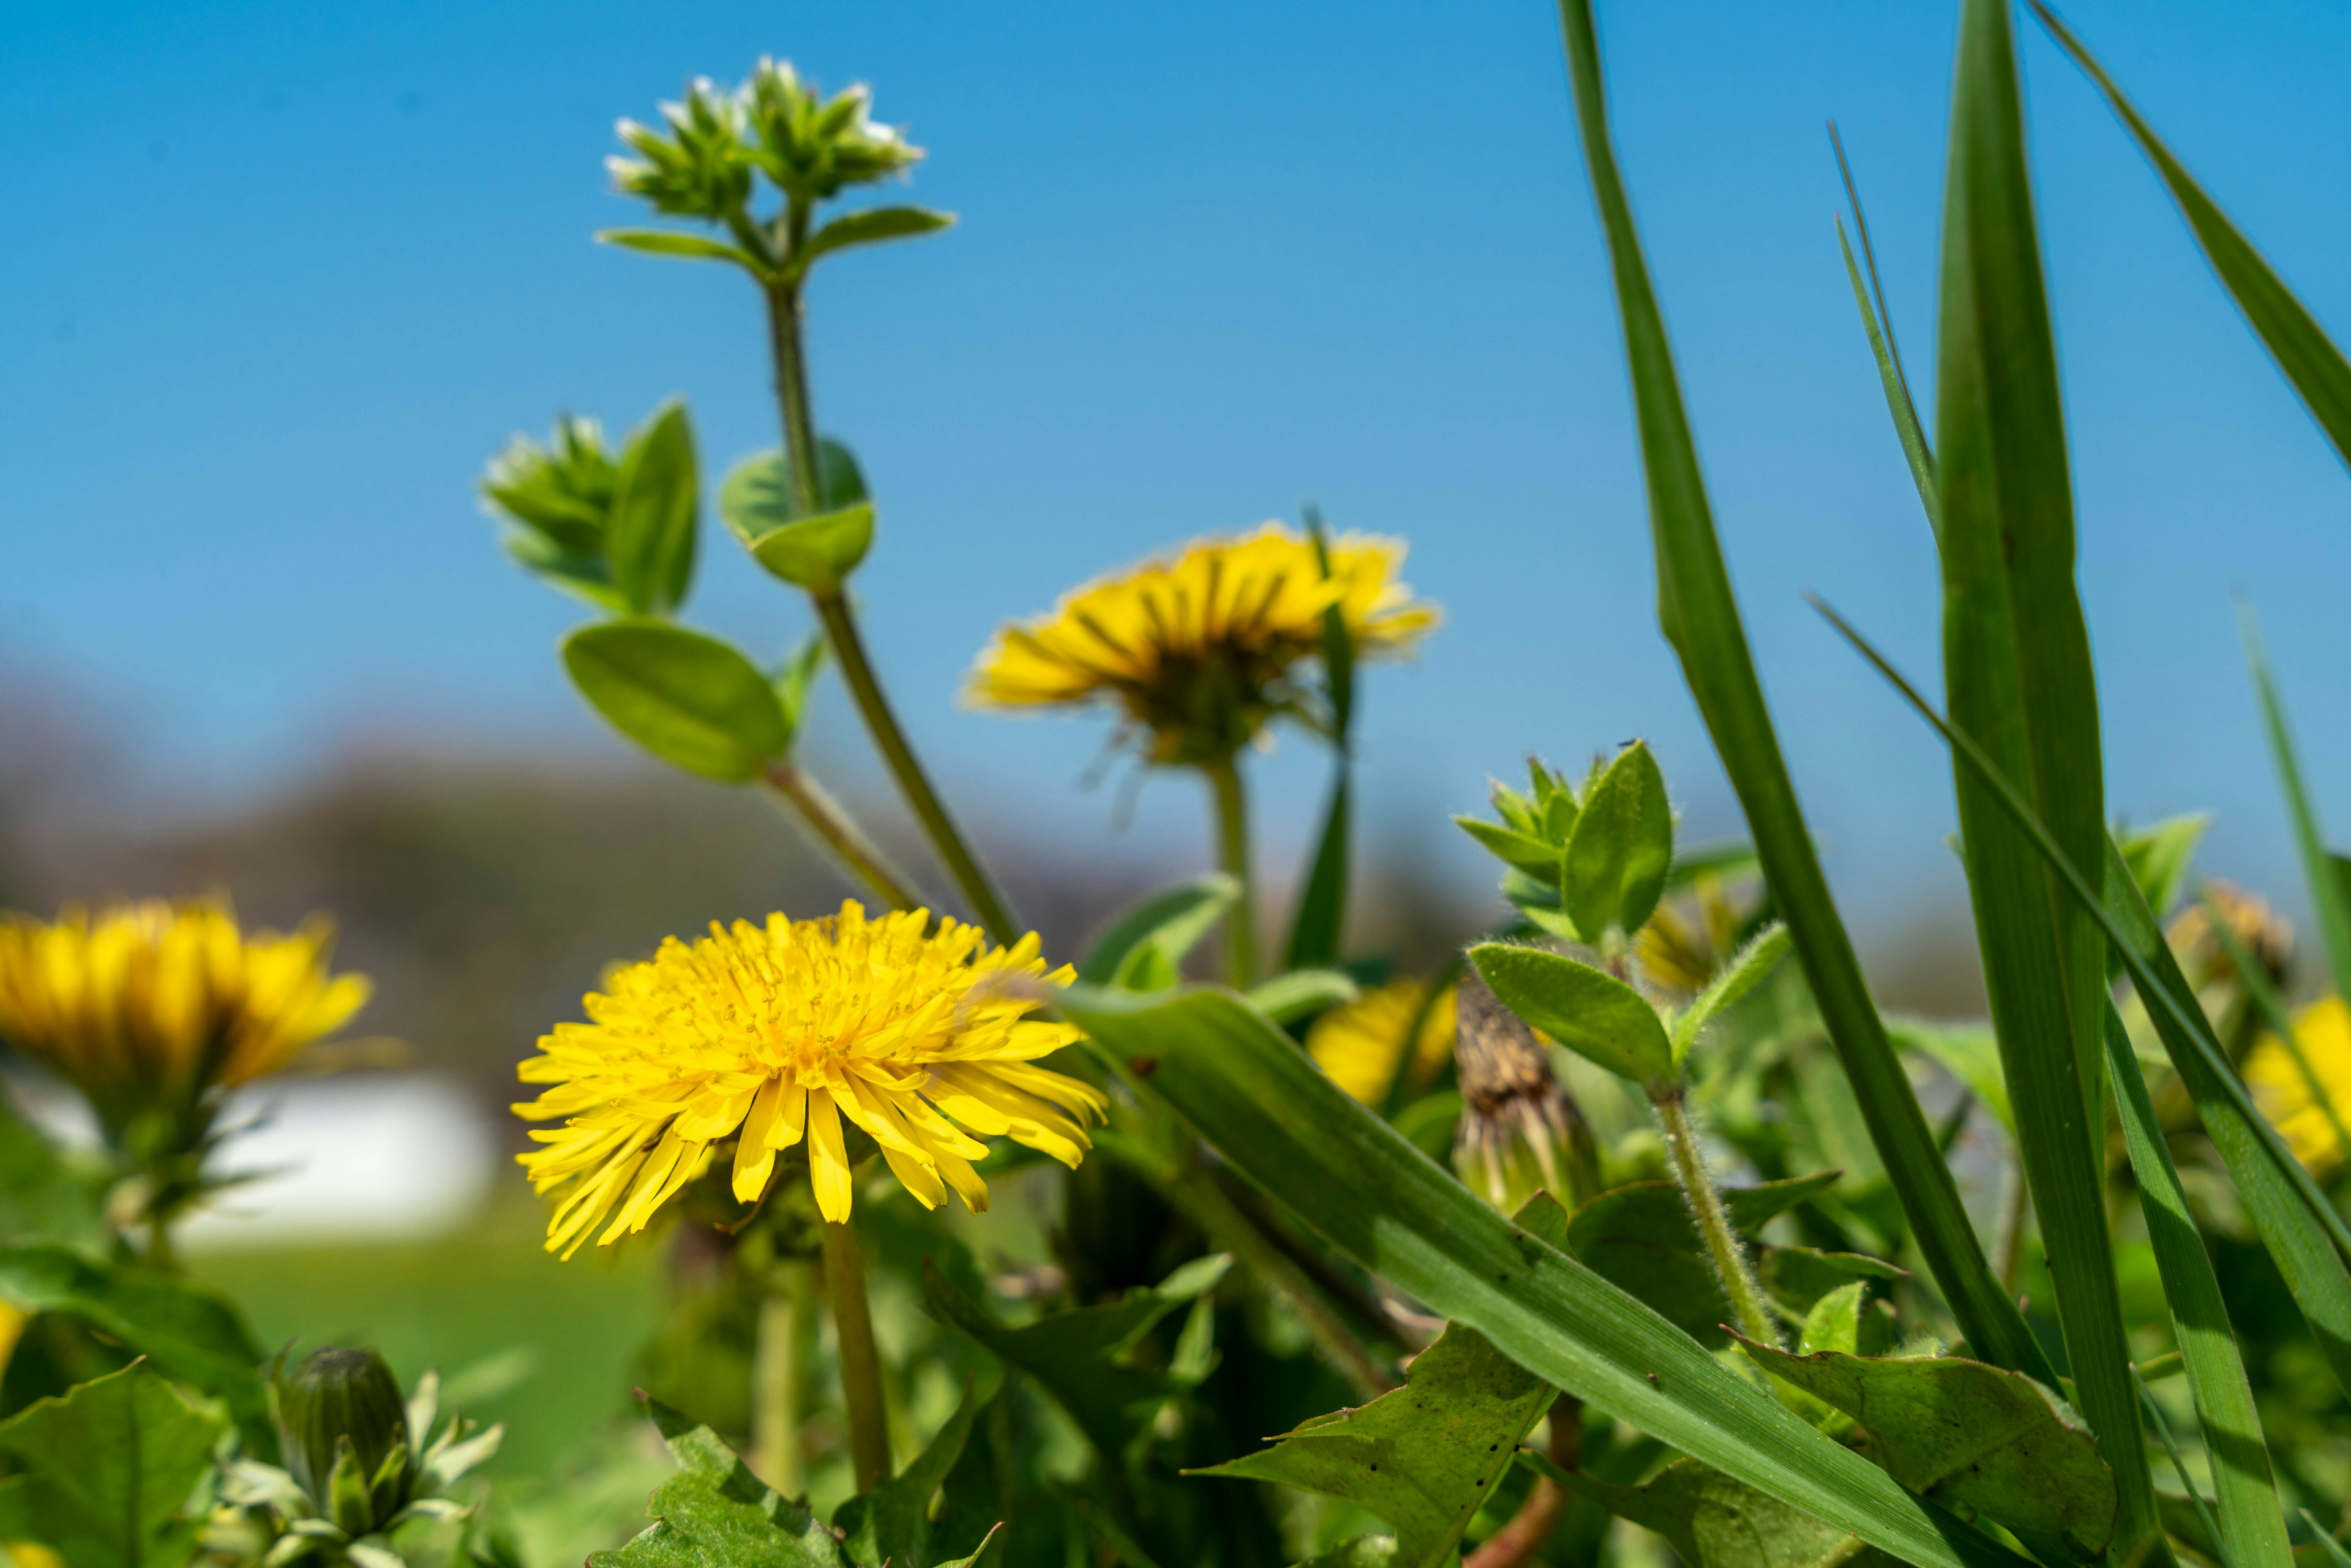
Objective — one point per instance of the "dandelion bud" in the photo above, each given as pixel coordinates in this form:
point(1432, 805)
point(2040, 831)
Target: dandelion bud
point(1519, 1130)
point(345, 1431)
point(2260, 931)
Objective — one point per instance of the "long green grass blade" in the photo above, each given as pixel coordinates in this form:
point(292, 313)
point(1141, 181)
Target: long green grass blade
point(2295, 339)
point(2251, 1527)
point(2328, 896)
point(2016, 665)
point(1281, 1123)
point(2304, 1235)
point(1700, 615)
point(1319, 929)
point(2272, 1006)
point(1879, 325)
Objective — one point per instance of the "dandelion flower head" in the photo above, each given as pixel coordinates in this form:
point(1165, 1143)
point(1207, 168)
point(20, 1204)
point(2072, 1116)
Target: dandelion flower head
point(767, 1034)
point(1358, 1044)
point(150, 1004)
point(2323, 1030)
point(1197, 650)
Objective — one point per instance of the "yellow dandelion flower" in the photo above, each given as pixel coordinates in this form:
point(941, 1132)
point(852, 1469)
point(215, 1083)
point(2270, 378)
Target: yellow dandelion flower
point(1357, 1045)
point(1197, 650)
point(766, 1034)
point(2323, 1030)
point(151, 1006)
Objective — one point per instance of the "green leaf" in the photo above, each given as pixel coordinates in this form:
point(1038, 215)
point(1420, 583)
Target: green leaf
point(1301, 993)
point(650, 539)
point(1361, 1551)
point(1700, 615)
point(2016, 664)
point(892, 1524)
point(1072, 1354)
point(1620, 849)
point(871, 226)
point(2159, 854)
point(1878, 324)
point(108, 1470)
point(1318, 930)
point(1968, 1052)
point(1714, 1521)
point(1747, 970)
point(1352, 1178)
point(1972, 1438)
point(1145, 947)
point(816, 552)
point(2295, 339)
point(1799, 1278)
point(796, 678)
point(756, 496)
point(1591, 1012)
point(2334, 1549)
point(1423, 1457)
point(670, 242)
point(2251, 1527)
point(47, 1195)
point(1640, 1237)
point(584, 577)
point(1520, 852)
point(689, 699)
point(187, 1332)
point(2329, 899)
point(713, 1510)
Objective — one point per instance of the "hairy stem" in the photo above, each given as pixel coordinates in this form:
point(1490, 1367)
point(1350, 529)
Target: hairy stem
point(777, 1377)
point(861, 1362)
point(1722, 1244)
point(978, 893)
point(838, 833)
point(1233, 859)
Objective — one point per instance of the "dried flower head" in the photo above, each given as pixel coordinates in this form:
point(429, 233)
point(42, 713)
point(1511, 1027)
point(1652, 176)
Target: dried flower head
point(2264, 932)
point(1198, 651)
point(1518, 1130)
point(767, 1034)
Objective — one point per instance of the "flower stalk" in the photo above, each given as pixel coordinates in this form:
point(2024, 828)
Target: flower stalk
point(861, 1361)
point(1233, 859)
point(777, 1377)
point(834, 828)
point(1722, 1244)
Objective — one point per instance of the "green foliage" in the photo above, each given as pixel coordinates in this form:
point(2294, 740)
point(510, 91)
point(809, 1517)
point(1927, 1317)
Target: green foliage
point(1640, 1237)
point(1317, 930)
point(1426, 1457)
point(1592, 1013)
point(1714, 1521)
point(47, 1196)
point(651, 534)
point(1143, 950)
point(816, 551)
point(617, 531)
point(892, 1525)
point(109, 1474)
point(713, 1510)
point(1747, 968)
point(872, 226)
point(689, 699)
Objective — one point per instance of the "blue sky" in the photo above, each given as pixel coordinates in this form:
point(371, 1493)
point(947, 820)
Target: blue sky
point(281, 276)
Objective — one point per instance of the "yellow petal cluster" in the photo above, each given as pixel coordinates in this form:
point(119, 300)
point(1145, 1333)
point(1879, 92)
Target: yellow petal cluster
point(767, 1034)
point(1358, 1044)
point(155, 1003)
point(2323, 1030)
point(1195, 650)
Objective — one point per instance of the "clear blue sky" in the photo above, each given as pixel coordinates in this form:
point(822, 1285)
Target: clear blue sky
point(280, 276)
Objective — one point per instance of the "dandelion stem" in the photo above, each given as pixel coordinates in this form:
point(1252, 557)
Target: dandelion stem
point(861, 1362)
point(777, 1377)
point(801, 450)
point(838, 834)
point(161, 1253)
point(1723, 1246)
point(1233, 857)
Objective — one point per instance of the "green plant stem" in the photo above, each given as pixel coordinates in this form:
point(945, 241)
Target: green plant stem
point(1233, 859)
point(834, 828)
point(161, 1251)
point(861, 1362)
point(777, 1378)
point(785, 340)
point(1722, 1248)
point(970, 878)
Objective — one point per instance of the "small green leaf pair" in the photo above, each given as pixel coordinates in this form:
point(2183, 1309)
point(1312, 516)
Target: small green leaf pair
point(819, 551)
point(691, 699)
point(619, 533)
point(1599, 858)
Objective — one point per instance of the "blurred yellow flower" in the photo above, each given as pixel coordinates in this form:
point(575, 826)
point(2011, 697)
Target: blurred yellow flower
point(2323, 1030)
point(1358, 1043)
point(149, 1006)
point(1197, 650)
point(766, 1033)
point(32, 1554)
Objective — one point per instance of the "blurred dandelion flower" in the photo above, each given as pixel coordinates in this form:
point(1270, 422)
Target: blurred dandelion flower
point(2323, 1030)
point(765, 1034)
point(1359, 1044)
point(150, 1007)
point(1198, 651)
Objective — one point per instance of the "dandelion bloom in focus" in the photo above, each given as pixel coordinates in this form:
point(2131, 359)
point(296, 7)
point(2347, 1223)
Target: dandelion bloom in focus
point(1358, 1044)
point(147, 1007)
point(767, 1034)
point(2323, 1030)
point(1195, 651)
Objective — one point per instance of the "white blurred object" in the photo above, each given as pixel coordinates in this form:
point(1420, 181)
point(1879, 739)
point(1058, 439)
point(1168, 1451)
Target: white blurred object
point(373, 1157)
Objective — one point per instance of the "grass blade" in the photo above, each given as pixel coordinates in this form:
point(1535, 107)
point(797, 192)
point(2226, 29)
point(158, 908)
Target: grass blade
point(2304, 1235)
point(1354, 1178)
point(2328, 896)
point(1879, 325)
point(1700, 615)
point(2017, 671)
point(1320, 926)
point(2295, 339)
point(2252, 1528)
point(2267, 1002)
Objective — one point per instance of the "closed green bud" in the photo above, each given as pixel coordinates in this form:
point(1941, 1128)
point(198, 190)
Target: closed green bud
point(695, 164)
point(812, 146)
point(345, 1431)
